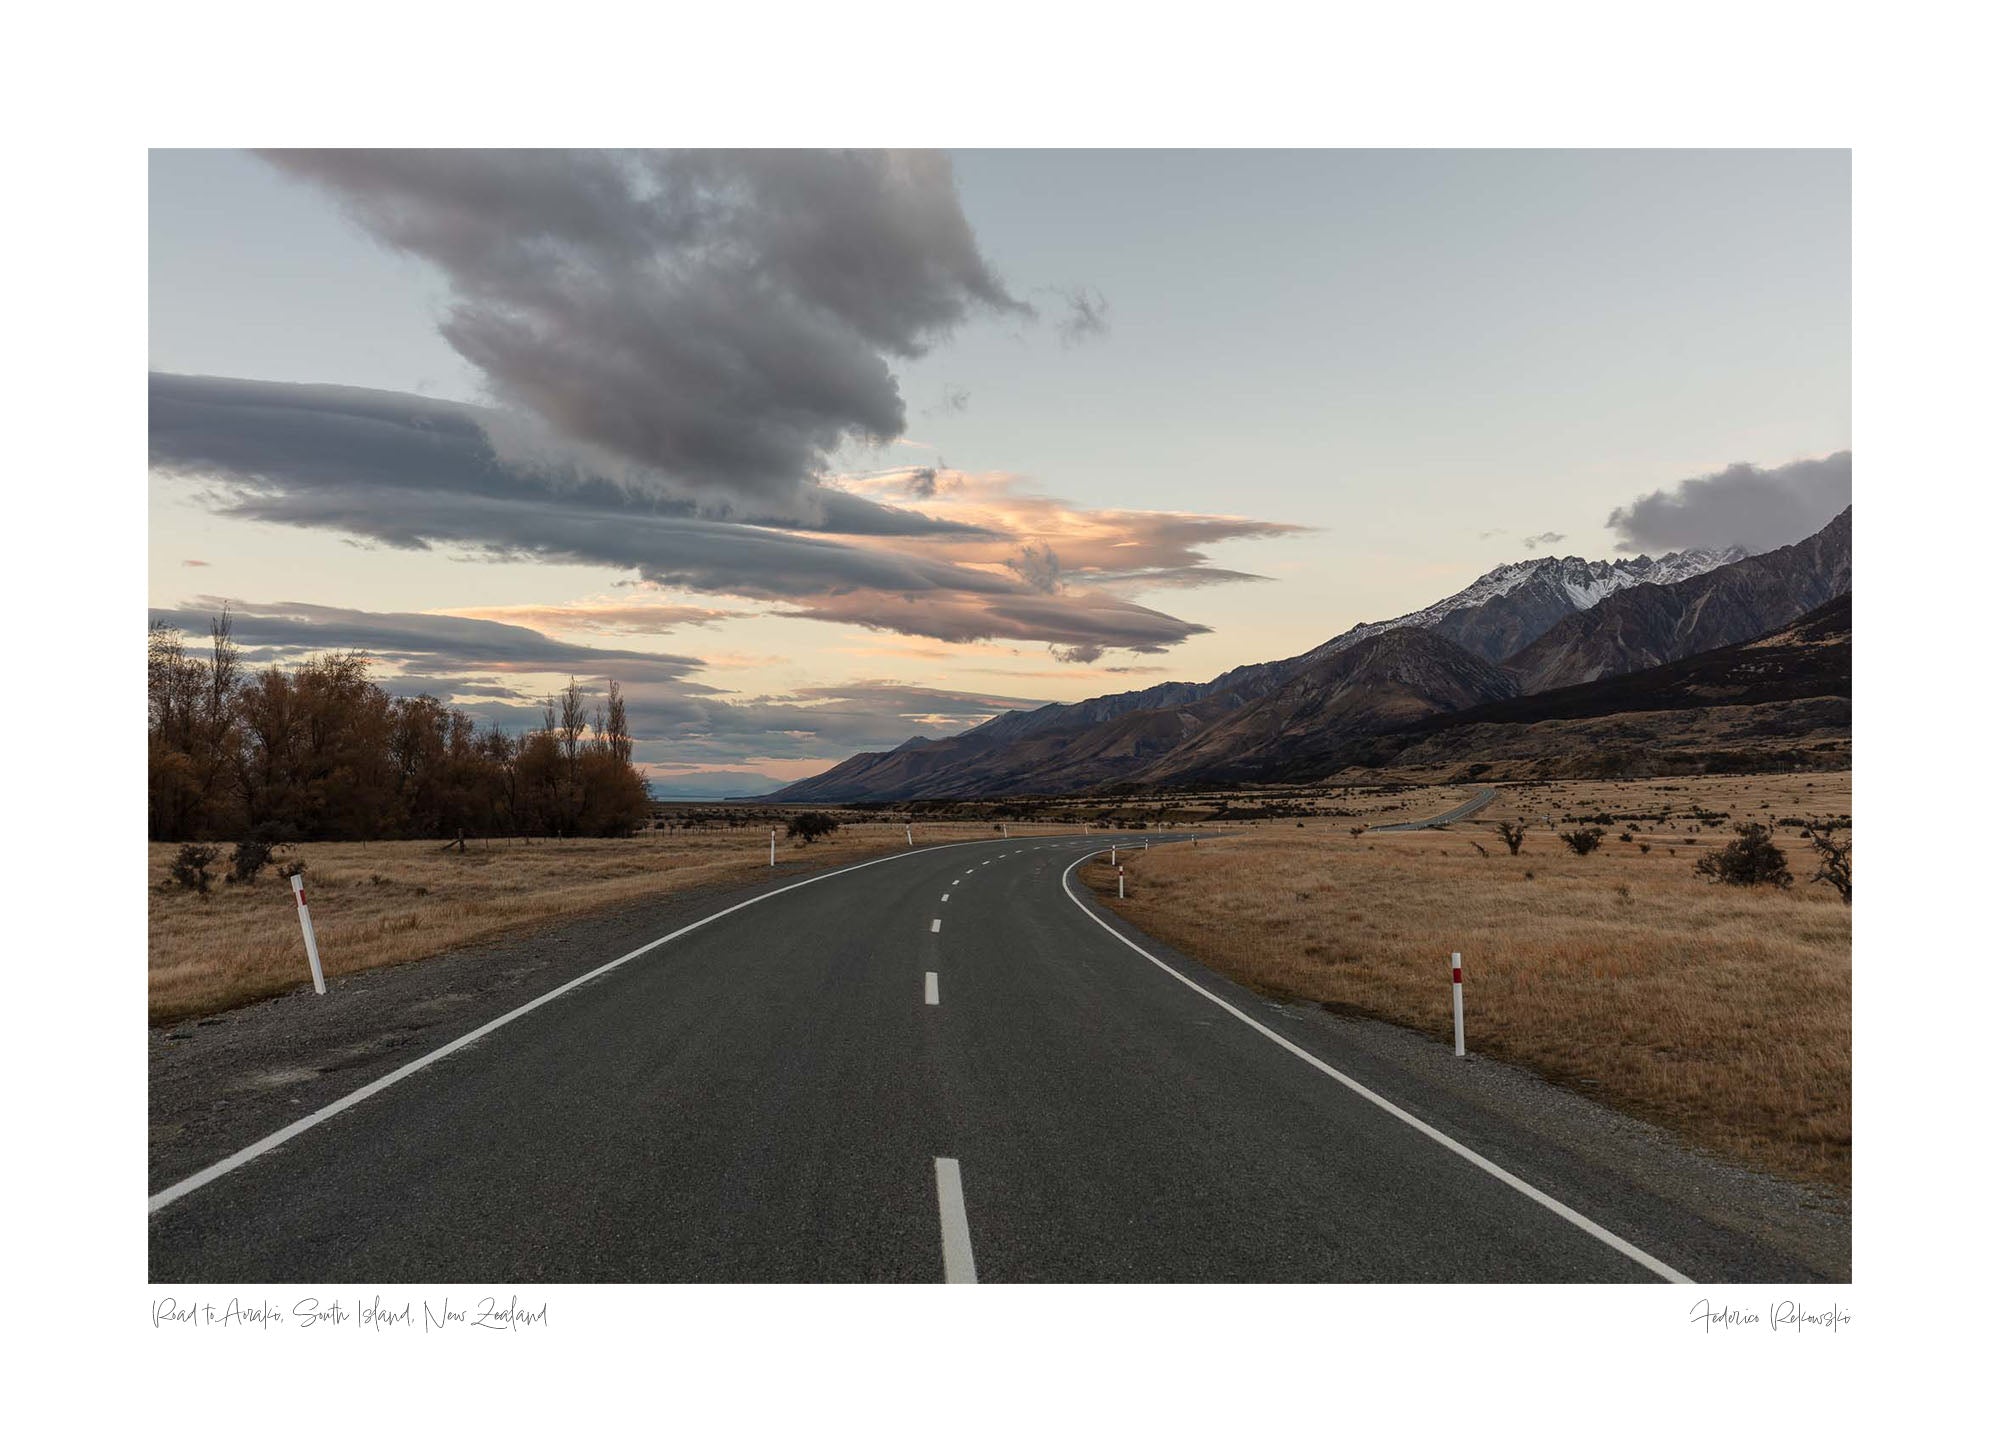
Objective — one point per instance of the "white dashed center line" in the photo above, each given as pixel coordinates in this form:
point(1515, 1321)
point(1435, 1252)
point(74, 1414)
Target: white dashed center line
point(952, 1229)
point(936, 925)
point(930, 986)
point(944, 897)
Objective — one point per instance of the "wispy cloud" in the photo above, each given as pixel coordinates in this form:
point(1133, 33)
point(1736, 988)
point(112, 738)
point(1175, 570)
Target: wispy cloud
point(1085, 315)
point(414, 472)
point(421, 644)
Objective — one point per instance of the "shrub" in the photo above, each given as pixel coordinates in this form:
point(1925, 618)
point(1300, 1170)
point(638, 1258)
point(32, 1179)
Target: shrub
point(1750, 859)
point(256, 850)
point(1513, 833)
point(190, 867)
point(1585, 840)
point(811, 825)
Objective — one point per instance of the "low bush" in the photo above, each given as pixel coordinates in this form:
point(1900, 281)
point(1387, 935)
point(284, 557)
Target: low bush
point(190, 867)
point(257, 850)
point(811, 825)
point(1585, 840)
point(1750, 859)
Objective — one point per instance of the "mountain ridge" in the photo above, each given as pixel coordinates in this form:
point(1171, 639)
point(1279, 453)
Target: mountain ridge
point(1519, 629)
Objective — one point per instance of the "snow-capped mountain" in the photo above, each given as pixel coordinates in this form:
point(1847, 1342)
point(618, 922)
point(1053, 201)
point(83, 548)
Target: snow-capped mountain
point(1598, 618)
point(1516, 602)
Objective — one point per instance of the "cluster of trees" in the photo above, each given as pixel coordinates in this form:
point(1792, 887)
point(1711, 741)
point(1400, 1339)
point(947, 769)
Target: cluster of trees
point(320, 752)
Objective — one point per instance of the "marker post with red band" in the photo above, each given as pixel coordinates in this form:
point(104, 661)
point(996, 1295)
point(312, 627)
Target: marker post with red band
point(1458, 1004)
point(306, 924)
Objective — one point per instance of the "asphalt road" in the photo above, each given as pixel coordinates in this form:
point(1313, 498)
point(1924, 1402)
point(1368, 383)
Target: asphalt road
point(774, 1095)
point(1478, 803)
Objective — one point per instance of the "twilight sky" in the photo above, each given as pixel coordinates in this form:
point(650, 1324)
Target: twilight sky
point(815, 453)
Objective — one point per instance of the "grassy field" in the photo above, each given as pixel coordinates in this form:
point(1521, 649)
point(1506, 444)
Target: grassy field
point(386, 902)
point(1721, 1013)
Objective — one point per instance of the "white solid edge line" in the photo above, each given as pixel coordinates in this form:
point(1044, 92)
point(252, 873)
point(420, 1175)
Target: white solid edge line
point(1519, 1185)
point(936, 925)
point(193, 1181)
point(952, 1230)
point(930, 987)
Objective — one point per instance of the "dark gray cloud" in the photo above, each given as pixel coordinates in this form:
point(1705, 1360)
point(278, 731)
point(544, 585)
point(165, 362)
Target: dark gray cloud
point(422, 645)
point(415, 473)
point(1039, 567)
point(356, 445)
point(1080, 621)
point(1194, 575)
point(723, 317)
point(1756, 508)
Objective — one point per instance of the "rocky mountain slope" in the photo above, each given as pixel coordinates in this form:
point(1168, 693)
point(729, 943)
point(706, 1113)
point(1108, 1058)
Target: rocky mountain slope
point(1513, 604)
point(1649, 625)
point(1387, 681)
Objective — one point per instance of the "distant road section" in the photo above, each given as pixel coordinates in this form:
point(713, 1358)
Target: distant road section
point(1471, 807)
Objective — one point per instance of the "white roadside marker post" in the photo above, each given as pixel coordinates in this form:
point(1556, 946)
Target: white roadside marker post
point(908, 839)
point(1121, 885)
point(306, 924)
point(1458, 1004)
point(774, 846)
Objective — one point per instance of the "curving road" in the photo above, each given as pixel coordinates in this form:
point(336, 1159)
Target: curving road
point(943, 1064)
point(1478, 803)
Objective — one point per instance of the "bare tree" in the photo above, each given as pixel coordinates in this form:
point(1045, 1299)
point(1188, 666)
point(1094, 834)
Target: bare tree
point(617, 732)
point(1836, 861)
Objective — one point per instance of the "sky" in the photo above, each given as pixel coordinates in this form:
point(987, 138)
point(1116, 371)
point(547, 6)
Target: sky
point(815, 453)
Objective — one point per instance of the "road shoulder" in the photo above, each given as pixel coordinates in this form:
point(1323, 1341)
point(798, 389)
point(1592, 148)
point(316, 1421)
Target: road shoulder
point(222, 1081)
point(1549, 1131)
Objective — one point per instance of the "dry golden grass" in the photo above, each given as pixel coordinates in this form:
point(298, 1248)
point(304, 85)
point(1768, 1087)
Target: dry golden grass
point(387, 902)
point(1721, 1013)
